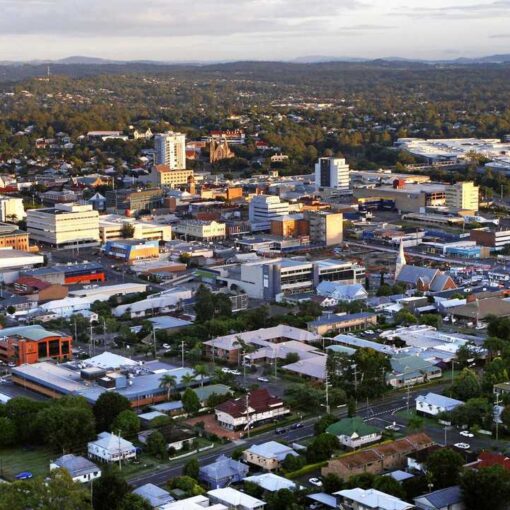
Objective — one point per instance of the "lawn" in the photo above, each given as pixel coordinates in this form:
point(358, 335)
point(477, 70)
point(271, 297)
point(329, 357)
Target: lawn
point(15, 460)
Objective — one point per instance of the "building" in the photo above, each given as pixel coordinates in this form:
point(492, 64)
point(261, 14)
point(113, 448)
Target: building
point(68, 274)
point(369, 499)
point(12, 237)
point(257, 407)
point(425, 279)
point(290, 226)
point(462, 196)
point(491, 238)
point(449, 498)
point(64, 226)
point(130, 250)
point(163, 175)
point(332, 173)
point(219, 150)
point(354, 432)
point(338, 292)
point(170, 150)
point(130, 202)
point(268, 456)
point(39, 291)
point(264, 208)
point(113, 227)
point(200, 230)
point(232, 136)
point(33, 344)
point(433, 404)
point(223, 472)
point(110, 448)
point(235, 500)
point(337, 271)
point(157, 497)
point(342, 322)
point(376, 460)
point(11, 209)
point(325, 228)
point(79, 468)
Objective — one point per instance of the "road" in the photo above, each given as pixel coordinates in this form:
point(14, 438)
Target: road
point(381, 412)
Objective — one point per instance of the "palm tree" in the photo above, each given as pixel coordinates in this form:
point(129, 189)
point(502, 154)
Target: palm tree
point(168, 382)
point(187, 379)
point(202, 371)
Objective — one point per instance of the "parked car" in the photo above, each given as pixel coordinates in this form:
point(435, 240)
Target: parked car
point(262, 379)
point(167, 346)
point(466, 433)
point(24, 475)
point(235, 372)
point(315, 481)
point(225, 370)
point(462, 446)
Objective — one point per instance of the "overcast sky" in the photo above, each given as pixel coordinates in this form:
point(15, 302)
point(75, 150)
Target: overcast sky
point(252, 29)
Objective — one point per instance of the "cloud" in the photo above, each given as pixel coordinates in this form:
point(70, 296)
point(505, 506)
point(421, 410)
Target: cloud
point(499, 36)
point(492, 9)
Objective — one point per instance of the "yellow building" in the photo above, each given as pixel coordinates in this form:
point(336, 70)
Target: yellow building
point(200, 230)
point(113, 226)
point(162, 175)
point(462, 196)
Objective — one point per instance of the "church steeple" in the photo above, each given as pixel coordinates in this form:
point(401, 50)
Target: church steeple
point(401, 260)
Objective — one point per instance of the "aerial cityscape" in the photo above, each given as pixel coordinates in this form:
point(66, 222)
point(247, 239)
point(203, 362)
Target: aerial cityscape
point(237, 273)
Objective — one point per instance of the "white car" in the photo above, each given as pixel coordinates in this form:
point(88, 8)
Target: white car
point(262, 379)
point(235, 372)
point(225, 370)
point(315, 481)
point(466, 433)
point(462, 446)
point(166, 346)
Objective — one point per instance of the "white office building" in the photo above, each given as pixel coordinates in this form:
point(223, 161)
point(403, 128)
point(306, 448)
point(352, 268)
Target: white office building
point(170, 149)
point(332, 173)
point(11, 209)
point(264, 208)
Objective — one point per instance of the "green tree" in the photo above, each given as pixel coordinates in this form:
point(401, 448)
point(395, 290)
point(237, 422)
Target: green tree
point(190, 401)
point(323, 423)
point(466, 385)
point(23, 411)
point(134, 502)
point(476, 411)
point(389, 485)
point(486, 488)
point(156, 445)
point(204, 304)
point(293, 463)
point(127, 423)
point(495, 372)
point(109, 490)
point(202, 372)
point(168, 382)
point(7, 432)
point(191, 468)
point(107, 407)
point(322, 447)
point(415, 423)
point(187, 484)
point(332, 483)
point(444, 467)
point(127, 231)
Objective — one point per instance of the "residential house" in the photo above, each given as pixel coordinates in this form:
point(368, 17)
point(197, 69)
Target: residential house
point(222, 472)
point(111, 448)
point(157, 497)
point(369, 499)
point(256, 407)
point(268, 456)
point(410, 370)
point(235, 500)
point(271, 482)
point(354, 432)
point(194, 503)
point(449, 498)
point(79, 468)
point(176, 438)
point(434, 404)
point(376, 460)
point(342, 292)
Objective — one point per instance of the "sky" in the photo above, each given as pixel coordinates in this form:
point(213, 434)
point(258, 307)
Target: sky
point(204, 30)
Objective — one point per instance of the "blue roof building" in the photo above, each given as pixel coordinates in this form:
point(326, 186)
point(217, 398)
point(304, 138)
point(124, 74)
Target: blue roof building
point(223, 472)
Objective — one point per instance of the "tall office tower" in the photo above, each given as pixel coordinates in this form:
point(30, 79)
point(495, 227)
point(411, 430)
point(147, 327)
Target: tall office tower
point(264, 208)
point(462, 196)
point(171, 150)
point(332, 173)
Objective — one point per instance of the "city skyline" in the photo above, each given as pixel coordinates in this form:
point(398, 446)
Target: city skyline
point(200, 30)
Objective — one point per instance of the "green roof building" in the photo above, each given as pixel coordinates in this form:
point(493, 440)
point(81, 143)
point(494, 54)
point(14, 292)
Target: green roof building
point(354, 432)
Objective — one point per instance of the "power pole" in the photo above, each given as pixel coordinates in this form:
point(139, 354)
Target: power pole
point(154, 341)
point(497, 417)
point(182, 353)
point(90, 342)
point(327, 395)
point(247, 404)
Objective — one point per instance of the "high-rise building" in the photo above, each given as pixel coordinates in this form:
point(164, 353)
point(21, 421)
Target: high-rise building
point(64, 226)
point(462, 196)
point(332, 173)
point(11, 209)
point(401, 260)
point(170, 150)
point(325, 228)
point(264, 208)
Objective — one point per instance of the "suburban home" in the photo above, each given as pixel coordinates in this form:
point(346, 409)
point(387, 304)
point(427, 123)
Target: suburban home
point(369, 499)
point(354, 432)
point(376, 460)
point(81, 469)
point(157, 497)
point(271, 482)
point(434, 404)
point(449, 498)
point(268, 456)
point(222, 472)
point(410, 370)
point(235, 500)
point(175, 437)
point(339, 292)
point(194, 503)
point(257, 407)
point(111, 448)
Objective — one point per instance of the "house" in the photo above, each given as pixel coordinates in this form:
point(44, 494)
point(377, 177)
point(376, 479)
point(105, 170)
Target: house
point(79, 468)
point(268, 456)
point(111, 448)
point(256, 407)
point(369, 499)
point(409, 370)
point(194, 503)
point(354, 432)
point(235, 500)
point(449, 498)
point(342, 292)
point(375, 460)
point(434, 404)
point(271, 482)
point(313, 367)
point(488, 459)
point(176, 438)
point(158, 498)
point(223, 472)
point(342, 322)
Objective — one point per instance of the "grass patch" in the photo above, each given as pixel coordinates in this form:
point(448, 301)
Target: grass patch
point(15, 460)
